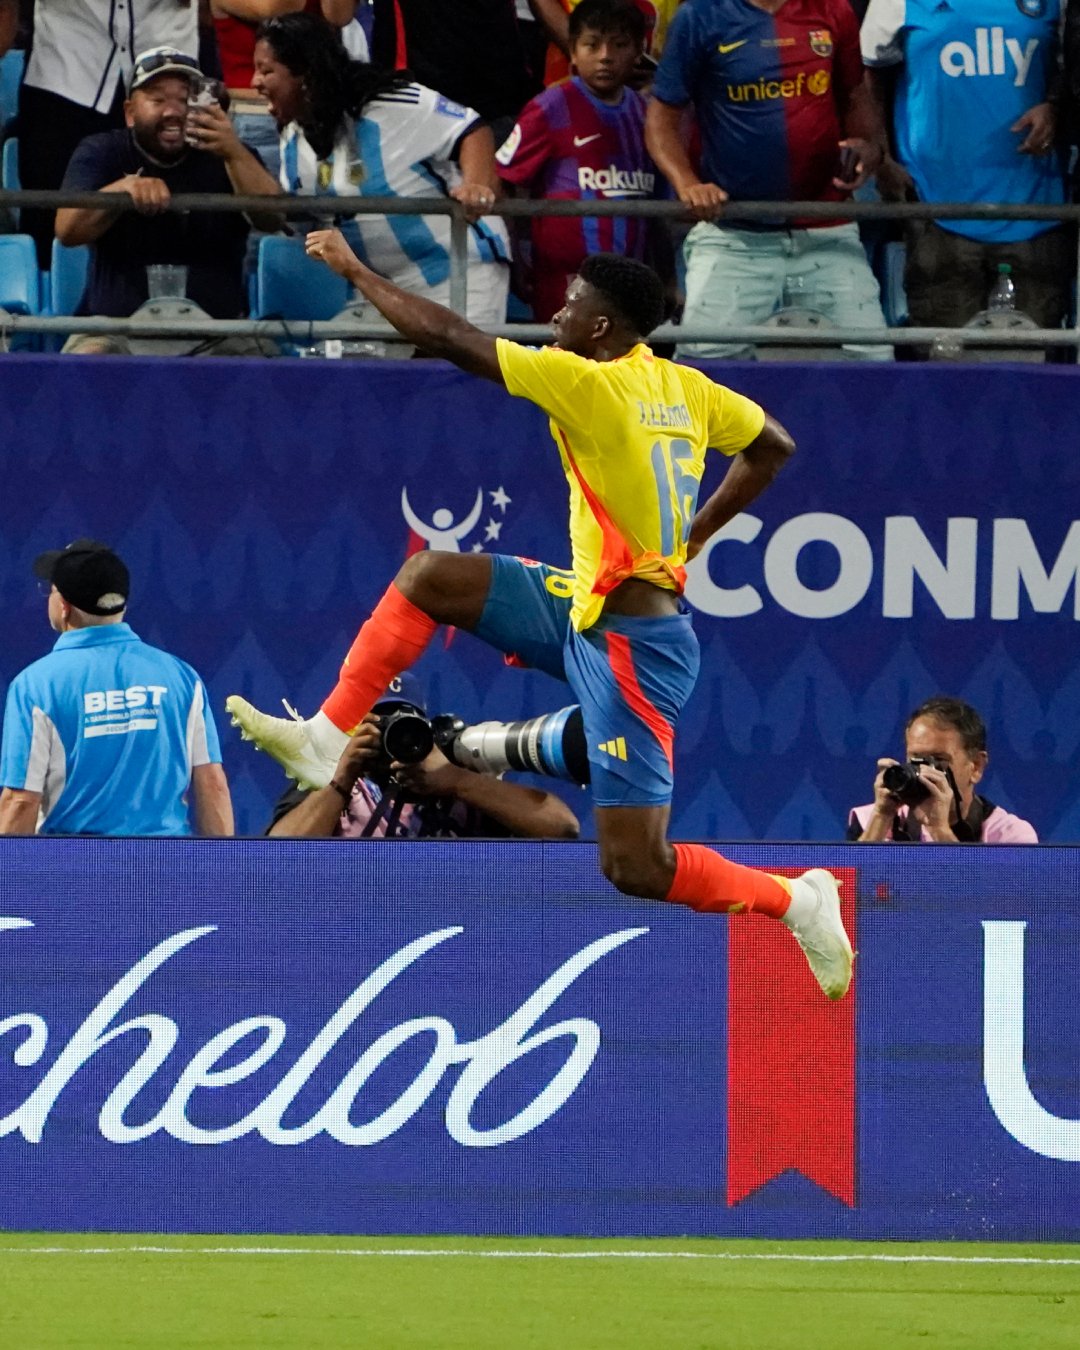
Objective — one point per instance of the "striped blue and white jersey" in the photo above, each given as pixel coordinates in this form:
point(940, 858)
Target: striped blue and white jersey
point(108, 729)
point(403, 146)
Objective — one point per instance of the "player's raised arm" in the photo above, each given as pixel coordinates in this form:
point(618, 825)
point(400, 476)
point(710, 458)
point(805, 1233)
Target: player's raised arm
point(431, 327)
point(750, 473)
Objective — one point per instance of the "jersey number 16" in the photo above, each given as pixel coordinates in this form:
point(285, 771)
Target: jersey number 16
point(672, 481)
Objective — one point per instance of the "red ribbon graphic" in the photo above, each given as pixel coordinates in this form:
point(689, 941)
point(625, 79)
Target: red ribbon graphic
point(791, 1061)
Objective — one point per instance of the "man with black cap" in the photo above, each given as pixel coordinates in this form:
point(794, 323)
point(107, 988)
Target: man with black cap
point(164, 150)
point(106, 735)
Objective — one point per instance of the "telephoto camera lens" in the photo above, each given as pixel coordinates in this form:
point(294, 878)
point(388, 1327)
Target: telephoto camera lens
point(407, 736)
point(553, 745)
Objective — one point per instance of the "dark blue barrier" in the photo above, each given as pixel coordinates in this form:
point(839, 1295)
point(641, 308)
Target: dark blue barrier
point(390, 1038)
point(923, 540)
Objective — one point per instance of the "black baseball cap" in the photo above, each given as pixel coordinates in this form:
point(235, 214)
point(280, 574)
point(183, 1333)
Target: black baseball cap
point(88, 574)
point(404, 691)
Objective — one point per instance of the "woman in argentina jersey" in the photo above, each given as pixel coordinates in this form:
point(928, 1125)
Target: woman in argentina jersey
point(349, 128)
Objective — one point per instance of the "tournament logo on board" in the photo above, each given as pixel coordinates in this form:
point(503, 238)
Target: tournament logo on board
point(446, 533)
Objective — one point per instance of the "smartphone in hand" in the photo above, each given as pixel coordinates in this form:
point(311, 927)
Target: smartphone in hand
point(203, 92)
point(848, 163)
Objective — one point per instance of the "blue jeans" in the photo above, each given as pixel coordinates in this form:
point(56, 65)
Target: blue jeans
point(738, 278)
point(259, 131)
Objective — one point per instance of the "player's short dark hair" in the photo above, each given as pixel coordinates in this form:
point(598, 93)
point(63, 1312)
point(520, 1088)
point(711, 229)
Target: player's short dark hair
point(954, 712)
point(634, 290)
point(607, 17)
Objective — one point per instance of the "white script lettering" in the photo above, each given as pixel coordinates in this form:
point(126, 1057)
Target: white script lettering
point(483, 1060)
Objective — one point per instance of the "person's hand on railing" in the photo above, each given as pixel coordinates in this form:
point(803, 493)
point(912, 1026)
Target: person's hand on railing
point(329, 247)
point(894, 182)
point(1040, 123)
point(705, 200)
point(476, 198)
point(150, 195)
point(859, 161)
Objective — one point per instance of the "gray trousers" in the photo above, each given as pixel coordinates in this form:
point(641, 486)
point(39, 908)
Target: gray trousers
point(948, 276)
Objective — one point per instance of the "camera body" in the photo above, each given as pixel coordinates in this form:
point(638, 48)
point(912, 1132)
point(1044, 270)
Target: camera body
point(406, 736)
point(905, 781)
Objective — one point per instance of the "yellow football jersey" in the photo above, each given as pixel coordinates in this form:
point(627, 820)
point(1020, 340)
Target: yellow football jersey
point(632, 436)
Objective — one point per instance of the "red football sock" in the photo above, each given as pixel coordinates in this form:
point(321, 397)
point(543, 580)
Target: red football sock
point(707, 882)
point(392, 639)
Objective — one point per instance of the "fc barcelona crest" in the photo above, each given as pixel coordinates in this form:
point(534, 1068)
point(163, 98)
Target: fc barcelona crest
point(821, 42)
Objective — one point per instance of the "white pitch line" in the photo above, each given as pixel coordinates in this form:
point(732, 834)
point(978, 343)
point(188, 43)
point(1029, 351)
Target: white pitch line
point(891, 1258)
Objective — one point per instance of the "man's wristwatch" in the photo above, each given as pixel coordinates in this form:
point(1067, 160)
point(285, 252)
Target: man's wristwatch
point(344, 792)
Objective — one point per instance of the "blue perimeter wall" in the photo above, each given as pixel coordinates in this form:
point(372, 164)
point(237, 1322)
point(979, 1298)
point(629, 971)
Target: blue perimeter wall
point(260, 506)
point(283, 1036)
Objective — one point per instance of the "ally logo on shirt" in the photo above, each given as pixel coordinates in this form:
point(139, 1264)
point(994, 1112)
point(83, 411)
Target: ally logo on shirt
point(988, 56)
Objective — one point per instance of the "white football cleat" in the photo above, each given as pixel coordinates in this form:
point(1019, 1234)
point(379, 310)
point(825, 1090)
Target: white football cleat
point(815, 922)
point(285, 739)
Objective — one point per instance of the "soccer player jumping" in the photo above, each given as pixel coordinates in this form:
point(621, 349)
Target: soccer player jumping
point(632, 431)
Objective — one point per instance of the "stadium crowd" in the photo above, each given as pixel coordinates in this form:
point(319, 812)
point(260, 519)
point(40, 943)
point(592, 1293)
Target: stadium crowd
point(704, 101)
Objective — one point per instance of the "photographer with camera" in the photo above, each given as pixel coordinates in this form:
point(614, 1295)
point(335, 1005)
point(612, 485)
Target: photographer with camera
point(932, 798)
point(394, 781)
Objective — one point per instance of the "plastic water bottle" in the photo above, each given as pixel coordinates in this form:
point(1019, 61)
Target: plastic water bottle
point(1003, 296)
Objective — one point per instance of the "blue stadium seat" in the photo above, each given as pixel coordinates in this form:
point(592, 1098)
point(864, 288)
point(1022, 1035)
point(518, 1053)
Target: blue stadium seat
point(290, 285)
point(68, 277)
point(20, 281)
point(11, 69)
point(62, 288)
point(9, 173)
point(9, 164)
point(893, 295)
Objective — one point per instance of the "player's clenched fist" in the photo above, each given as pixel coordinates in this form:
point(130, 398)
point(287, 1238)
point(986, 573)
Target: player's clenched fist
point(329, 246)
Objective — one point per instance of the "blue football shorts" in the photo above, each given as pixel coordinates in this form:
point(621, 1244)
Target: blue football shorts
point(631, 676)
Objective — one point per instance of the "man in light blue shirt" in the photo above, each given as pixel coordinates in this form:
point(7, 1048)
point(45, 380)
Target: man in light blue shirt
point(106, 735)
point(974, 121)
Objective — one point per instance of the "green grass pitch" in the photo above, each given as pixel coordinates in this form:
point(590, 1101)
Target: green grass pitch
point(309, 1293)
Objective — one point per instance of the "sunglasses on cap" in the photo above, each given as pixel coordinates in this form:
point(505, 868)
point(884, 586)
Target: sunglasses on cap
point(154, 62)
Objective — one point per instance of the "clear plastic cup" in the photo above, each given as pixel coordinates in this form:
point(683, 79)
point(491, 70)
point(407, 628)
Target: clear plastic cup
point(165, 281)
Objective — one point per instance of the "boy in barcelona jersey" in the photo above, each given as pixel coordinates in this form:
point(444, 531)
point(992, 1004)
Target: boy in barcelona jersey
point(581, 140)
point(632, 431)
